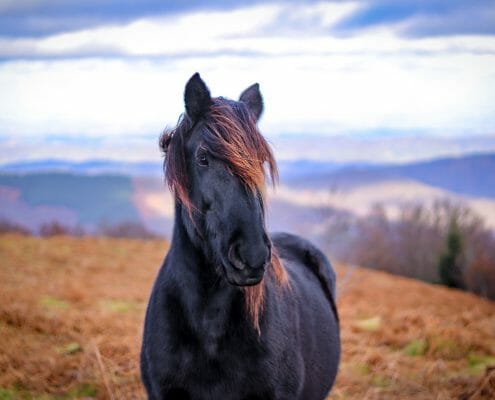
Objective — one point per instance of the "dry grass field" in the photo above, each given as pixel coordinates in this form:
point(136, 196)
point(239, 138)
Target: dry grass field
point(71, 313)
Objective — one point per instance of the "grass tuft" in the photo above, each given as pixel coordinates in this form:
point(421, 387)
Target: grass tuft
point(372, 324)
point(119, 306)
point(70, 348)
point(381, 381)
point(416, 347)
point(84, 390)
point(7, 394)
point(479, 362)
point(53, 303)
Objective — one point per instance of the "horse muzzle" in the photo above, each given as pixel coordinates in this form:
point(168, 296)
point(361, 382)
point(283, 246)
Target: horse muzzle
point(242, 273)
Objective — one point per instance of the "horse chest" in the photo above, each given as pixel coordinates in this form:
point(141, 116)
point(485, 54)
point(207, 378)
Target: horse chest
point(209, 332)
point(219, 371)
point(203, 330)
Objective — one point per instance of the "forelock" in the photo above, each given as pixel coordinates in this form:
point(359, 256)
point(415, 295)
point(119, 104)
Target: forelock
point(230, 135)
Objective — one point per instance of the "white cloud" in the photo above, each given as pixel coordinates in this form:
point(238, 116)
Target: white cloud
point(274, 30)
point(312, 82)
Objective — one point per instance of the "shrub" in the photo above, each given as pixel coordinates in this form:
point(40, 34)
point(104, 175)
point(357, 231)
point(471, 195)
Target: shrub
point(480, 276)
point(10, 227)
point(127, 229)
point(55, 228)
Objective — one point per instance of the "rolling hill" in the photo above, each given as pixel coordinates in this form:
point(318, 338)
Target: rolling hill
point(71, 315)
point(84, 167)
point(472, 175)
point(28, 199)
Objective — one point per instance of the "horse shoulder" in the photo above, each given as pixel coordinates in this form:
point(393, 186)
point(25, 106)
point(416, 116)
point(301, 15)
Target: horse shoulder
point(301, 251)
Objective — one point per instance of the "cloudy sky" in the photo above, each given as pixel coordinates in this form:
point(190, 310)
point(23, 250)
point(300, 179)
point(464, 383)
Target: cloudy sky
point(97, 71)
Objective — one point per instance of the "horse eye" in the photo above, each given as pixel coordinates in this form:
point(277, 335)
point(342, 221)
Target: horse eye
point(202, 159)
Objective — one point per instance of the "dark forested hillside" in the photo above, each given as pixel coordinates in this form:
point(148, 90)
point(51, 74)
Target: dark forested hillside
point(93, 198)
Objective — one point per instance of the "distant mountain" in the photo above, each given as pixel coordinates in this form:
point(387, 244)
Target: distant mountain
point(93, 192)
point(86, 167)
point(472, 175)
point(289, 169)
point(294, 169)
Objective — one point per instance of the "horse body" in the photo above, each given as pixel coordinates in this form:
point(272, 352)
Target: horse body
point(203, 347)
point(200, 341)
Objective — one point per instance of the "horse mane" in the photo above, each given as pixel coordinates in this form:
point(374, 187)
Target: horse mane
point(231, 135)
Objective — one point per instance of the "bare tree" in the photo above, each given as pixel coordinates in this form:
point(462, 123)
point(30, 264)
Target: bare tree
point(412, 243)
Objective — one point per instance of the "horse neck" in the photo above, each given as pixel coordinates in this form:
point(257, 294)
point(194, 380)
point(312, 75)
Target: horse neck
point(211, 307)
point(197, 274)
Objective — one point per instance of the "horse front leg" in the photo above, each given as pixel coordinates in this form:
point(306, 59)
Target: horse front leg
point(176, 394)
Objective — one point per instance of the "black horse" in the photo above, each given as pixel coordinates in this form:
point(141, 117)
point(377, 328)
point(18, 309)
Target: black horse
point(234, 313)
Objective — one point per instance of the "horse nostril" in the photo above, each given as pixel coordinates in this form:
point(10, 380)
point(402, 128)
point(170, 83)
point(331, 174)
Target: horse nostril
point(234, 257)
point(248, 255)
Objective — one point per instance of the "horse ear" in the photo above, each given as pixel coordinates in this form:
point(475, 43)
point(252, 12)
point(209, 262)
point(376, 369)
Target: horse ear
point(197, 97)
point(252, 97)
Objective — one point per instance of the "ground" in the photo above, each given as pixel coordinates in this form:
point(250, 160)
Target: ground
point(71, 313)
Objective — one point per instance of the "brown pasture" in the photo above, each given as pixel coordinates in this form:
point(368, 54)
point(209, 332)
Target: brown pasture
point(71, 313)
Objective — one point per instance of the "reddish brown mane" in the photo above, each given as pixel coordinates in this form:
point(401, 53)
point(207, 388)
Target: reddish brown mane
point(232, 136)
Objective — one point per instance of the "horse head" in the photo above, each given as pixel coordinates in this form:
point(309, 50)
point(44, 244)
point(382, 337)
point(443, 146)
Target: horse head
point(216, 164)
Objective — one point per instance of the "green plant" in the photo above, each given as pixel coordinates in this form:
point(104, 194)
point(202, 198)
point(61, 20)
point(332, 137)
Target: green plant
point(449, 268)
point(6, 394)
point(416, 347)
